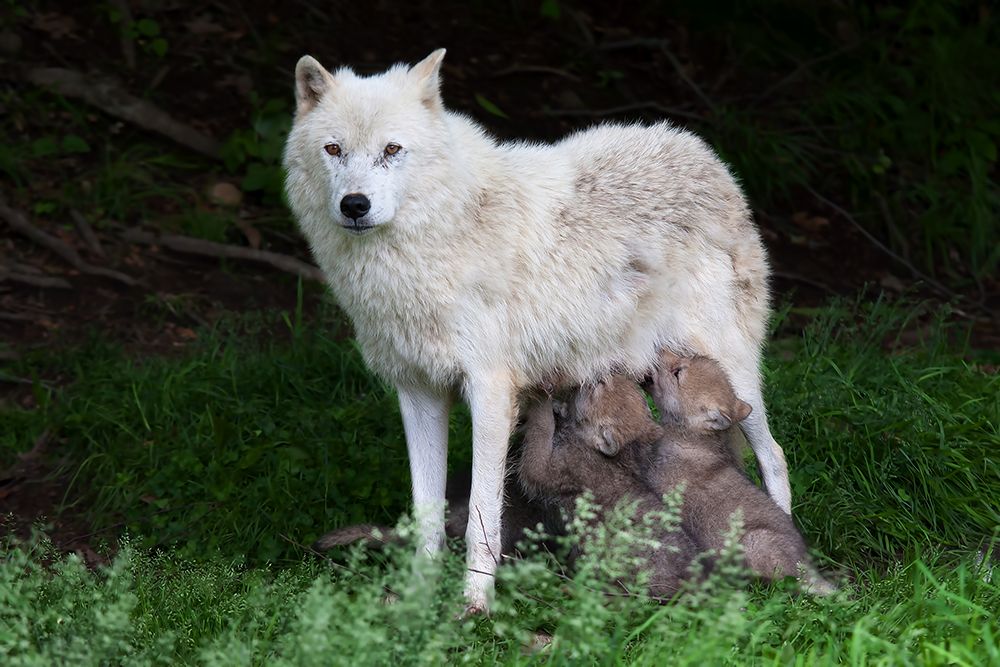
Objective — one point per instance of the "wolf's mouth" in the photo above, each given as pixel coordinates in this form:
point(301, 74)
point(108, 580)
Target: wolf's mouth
point(357, 229)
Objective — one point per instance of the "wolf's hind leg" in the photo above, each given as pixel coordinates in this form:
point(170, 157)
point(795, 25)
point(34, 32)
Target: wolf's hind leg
point(743, 368)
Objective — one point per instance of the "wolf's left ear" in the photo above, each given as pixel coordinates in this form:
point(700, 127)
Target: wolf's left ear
point(426, 73)
point(312, 81)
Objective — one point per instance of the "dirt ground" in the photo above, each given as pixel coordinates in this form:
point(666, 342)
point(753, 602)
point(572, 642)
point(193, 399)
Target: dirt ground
point(222, 55)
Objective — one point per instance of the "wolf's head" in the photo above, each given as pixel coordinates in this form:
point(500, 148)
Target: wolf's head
point(357, 137)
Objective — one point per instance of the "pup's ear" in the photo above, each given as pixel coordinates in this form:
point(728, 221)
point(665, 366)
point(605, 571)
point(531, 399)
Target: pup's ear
point(741, 411)
point(607, 443)
point(312, 82)
point(717, 420)
point(427, 75)
point(668, 358)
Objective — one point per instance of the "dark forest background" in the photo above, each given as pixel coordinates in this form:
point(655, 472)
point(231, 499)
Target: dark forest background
point(145, 248)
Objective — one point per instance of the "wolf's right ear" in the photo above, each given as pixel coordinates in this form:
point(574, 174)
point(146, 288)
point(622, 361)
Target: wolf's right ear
point(312, 82)
point(427, 74)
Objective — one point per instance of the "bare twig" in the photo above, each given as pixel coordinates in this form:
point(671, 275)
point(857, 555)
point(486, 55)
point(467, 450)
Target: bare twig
point(638, 106)
point(20, 223)
point(33, 279)
point(687, 79)
point(663, 46)
point(15, 317)
point(795, 73)
point(87, 233)
point(38, 448)
point(128, 45)
point(109, 96)
point(803, 279)
point(211, 249)
point(486, 539)
point(881, 246)
point(536, 69)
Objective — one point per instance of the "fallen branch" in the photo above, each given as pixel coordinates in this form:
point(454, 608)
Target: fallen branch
point(881, 246)
point(108, 95)
point(536, 69)
point(785, 275)
point(87, 233)
point(20, 223)
point(221, 250)
point(33, 279)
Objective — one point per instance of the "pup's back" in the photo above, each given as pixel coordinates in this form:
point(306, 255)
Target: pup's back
point(699, 408)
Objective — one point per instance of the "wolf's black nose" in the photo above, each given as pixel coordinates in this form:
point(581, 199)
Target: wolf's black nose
point(355, 206)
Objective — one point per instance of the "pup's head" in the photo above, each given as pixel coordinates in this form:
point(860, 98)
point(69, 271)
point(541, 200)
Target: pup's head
point(695, 392)
point(358, 137)
point(610, 414)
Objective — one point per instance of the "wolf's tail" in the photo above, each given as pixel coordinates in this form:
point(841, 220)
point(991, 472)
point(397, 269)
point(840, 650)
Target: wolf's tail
point(370, 535)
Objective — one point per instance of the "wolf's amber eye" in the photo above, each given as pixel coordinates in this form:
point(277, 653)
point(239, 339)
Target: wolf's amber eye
point(392, 149)
point(332, 149)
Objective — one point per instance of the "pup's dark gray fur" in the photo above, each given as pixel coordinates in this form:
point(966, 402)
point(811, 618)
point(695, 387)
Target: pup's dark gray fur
point(602, 445)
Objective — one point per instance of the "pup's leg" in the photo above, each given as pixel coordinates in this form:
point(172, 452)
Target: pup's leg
point(425, 422)
point(492, 403)
point(743, 368)
point(773, 554)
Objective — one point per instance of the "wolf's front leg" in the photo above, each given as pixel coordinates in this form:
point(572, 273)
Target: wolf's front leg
point(425, 422)
point(492, 403)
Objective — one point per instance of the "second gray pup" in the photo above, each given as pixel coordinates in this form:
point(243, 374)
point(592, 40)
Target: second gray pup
point(699, 408)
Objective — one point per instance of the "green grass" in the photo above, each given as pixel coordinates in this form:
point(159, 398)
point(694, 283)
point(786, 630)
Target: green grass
point(269, 431)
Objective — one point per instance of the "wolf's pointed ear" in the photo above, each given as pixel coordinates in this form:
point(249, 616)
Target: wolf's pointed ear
point(312, 82)
point(427, 74)
point(607, 443)
point(741, 411)
point(717, 420)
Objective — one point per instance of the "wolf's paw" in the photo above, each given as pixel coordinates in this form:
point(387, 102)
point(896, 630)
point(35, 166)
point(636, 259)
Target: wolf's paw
point(473, 609)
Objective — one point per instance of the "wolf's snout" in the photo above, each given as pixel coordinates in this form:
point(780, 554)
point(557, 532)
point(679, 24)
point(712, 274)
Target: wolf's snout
point(355, 206)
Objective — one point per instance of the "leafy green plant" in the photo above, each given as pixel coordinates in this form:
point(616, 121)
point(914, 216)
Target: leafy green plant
point(256, 151)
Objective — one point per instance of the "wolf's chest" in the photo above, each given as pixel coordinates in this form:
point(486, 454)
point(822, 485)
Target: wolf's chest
point(402, 320)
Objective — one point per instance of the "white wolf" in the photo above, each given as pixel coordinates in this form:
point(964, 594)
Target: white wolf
point(477, 269)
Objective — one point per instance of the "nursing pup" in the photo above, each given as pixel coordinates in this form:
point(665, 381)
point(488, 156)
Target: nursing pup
point(699, 407)
point(603, 446)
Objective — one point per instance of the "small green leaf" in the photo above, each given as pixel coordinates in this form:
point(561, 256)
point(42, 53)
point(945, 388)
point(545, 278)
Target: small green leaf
point(72, 143)
point(489, 106)
point(44, 146)
point(550, 9)
point(147, 27)
point(43, 207)
point(159, 47)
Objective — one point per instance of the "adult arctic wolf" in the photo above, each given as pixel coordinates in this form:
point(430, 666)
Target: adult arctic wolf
point(476, 269)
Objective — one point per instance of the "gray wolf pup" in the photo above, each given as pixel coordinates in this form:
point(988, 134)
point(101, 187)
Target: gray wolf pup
point(474, 269)
point(604, 445)
point(698, 407)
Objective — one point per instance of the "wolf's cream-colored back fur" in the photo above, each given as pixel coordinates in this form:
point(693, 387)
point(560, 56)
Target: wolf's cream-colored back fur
point(520, 261)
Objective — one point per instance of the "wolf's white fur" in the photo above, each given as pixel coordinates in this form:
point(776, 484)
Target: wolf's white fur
point(490, 267)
